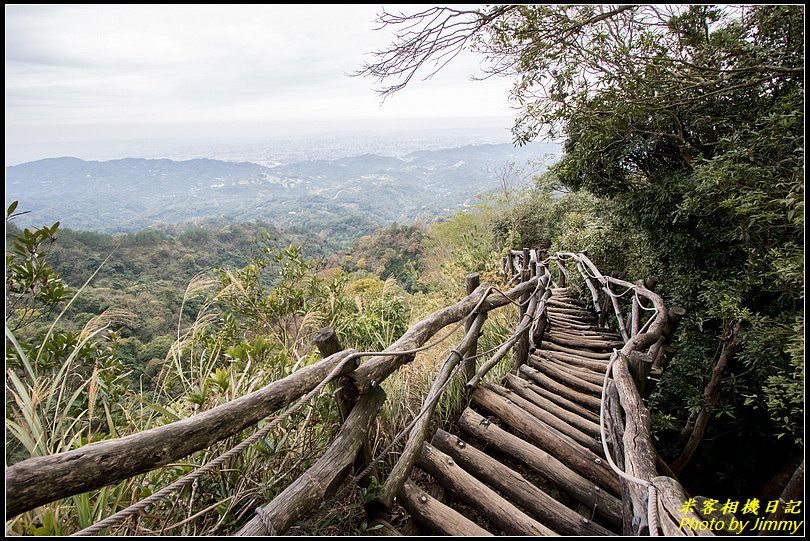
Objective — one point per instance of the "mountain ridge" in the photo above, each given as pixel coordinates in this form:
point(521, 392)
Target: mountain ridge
point(127, 194)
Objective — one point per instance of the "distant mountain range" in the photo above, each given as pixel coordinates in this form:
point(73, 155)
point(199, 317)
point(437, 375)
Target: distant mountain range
point(133, 193)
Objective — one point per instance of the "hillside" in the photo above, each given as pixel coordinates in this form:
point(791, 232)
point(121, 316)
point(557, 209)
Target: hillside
point(345, 196)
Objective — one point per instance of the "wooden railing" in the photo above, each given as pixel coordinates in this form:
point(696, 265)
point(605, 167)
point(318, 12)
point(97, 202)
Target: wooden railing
point(652, 503)
point(36, 481)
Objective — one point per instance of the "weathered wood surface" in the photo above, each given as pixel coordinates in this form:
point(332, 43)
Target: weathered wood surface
point(571, 369)
point(40, 480)
point(614, 435)
point(516, 488)
point(323, 478)
point(561, 376)
point(603, 334)
point(564, 429)
point(524, 389)
point(671, 498)
point(570, 405)
point(598, 367)
point(538, 460)
point(639, 455)
point(578, 314)
point(375, 370)
point(598, 344)
point(326, 340)
point(585, 400)
point(419, 432)
point(524, 326)
point(576, 325)
point(467, 488)
point(575, 456)
point(567, 302)
point(436, 516)
point(595, 355)
point(471, 283)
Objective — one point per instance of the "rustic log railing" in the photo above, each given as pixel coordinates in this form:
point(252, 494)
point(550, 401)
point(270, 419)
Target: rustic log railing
point(624, 420)
point(651, 502)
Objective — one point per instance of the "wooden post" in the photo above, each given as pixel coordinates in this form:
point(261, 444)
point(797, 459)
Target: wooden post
point(561, 272)
point(471, 282)
point(522, 347)
point(660, 351)
point(603, 313)
point(640, 365)
point(327, 342)
point(324, 477)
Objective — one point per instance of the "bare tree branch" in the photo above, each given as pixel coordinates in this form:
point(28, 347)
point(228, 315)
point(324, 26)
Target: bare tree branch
point(435, 35)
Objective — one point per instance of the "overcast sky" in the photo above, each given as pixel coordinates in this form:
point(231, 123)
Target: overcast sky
point(95, 73)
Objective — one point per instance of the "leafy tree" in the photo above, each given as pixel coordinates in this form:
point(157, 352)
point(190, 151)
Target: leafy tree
point(687, 121)
point(33, 289)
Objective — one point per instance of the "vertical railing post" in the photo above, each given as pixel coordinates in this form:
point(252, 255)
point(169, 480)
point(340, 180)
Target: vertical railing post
point(327, 342)
point(522, 346)
point(471, 282)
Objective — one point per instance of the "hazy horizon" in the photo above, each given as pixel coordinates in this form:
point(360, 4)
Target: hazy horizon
point(88, 80)
point(259, 142)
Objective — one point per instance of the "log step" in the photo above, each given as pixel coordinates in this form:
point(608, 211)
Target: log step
point(545, 420)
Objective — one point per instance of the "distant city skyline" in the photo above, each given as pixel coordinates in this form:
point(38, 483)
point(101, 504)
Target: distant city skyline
point(94, 75)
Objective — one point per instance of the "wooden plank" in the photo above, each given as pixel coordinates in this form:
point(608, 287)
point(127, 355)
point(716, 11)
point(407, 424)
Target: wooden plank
point(538, 460)
point(486, 501)
point(575, 382)
point(524, 389)
point(573, 370)
point(569, 300)
point(574, 456)
point(572, 313)
point(39, 480)
point(435, 515)
point(580, 343)
point(574, 325)
point(324, 477)
point(588, 401)
point(555, 397)
point(593, 365)
point(516, 488)
point(587, 354)
point(565, 431)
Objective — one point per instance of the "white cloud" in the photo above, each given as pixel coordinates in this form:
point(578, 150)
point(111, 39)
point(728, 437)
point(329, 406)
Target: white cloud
point(105, 69)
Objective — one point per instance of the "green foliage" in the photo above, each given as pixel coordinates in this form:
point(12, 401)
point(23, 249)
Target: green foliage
point(33, 289)
point(395, 251)
point(687, 123)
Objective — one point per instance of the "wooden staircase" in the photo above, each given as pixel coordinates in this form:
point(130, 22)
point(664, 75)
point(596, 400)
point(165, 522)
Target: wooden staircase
point(527, 456)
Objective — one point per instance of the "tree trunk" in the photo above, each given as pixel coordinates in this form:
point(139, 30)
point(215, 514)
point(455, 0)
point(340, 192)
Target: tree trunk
point(711, 396)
